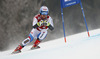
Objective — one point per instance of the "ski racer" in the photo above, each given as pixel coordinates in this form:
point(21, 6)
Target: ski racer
point(41, 23)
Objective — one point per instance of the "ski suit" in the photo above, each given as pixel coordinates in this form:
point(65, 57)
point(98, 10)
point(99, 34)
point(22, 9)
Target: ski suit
point(39, 32)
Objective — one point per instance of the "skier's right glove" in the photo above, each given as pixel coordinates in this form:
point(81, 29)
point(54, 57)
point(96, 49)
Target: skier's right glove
point(40, 23)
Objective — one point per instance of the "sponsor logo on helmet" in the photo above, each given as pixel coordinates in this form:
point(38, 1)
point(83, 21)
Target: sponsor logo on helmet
point(44, 9)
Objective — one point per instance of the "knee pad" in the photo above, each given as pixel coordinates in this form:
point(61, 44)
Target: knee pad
point(42, 35)
point(26, 41)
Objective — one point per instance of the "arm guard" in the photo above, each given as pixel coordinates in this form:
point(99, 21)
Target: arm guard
point(51, 27)
point(35, 26)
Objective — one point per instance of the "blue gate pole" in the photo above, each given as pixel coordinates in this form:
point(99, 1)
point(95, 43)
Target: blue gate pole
point(84, 19)
point(63, 24)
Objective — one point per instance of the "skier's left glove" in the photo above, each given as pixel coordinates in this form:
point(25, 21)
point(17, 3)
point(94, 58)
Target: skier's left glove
point(46, 23)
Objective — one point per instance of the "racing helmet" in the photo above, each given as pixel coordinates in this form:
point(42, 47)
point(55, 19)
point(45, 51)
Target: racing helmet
point(44, 10)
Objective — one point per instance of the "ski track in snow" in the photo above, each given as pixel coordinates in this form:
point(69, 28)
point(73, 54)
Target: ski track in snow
point(78, 46)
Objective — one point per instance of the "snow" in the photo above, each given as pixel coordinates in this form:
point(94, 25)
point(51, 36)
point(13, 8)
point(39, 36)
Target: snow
point(78, 46)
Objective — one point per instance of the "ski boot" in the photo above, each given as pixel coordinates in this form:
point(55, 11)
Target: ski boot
point(35, 45)
point(18, 49)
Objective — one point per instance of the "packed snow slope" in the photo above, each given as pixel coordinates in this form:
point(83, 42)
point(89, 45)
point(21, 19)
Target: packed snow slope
point(78, 46)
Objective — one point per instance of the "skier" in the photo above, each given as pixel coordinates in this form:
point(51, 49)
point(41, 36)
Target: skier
point(41, 23)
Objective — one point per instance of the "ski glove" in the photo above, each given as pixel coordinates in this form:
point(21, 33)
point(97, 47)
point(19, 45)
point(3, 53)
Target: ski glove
point(45, 23)
point(48, 25)
point(40, 23)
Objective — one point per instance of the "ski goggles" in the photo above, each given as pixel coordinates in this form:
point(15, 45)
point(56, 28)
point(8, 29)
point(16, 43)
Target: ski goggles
point(44, 13)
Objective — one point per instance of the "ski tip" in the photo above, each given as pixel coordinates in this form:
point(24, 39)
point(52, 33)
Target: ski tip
point(16, 52)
